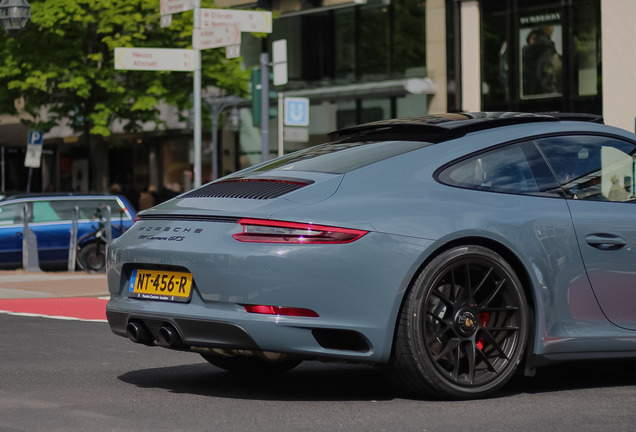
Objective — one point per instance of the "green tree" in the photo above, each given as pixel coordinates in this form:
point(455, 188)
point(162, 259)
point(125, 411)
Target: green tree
point(61, 67)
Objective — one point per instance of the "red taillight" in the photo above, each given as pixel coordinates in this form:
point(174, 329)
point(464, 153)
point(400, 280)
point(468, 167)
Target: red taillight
point(266, 231)
point(278, 310)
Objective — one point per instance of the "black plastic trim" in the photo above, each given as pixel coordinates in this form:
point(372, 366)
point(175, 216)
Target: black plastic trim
point(189, 218)
point(458, 124)
point(193, 332)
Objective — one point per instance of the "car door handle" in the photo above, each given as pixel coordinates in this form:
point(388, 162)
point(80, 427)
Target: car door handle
point(605, 241)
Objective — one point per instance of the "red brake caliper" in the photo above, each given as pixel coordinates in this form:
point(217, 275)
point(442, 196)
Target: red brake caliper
point(484, 318)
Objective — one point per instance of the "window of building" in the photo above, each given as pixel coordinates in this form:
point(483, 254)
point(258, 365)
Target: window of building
point(375, 41)
point(541, 56)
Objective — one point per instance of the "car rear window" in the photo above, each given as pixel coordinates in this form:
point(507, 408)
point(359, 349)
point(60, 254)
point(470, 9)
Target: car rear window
point(339, 158)
point(517, 168)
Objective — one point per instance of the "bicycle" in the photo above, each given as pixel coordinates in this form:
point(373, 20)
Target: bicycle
point(91, 247)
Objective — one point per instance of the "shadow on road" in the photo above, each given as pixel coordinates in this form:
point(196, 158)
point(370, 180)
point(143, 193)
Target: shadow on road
point(575, 376)
point(311, 381)
point(314, 381)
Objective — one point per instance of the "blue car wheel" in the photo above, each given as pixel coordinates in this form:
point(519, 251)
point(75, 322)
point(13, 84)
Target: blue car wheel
point(463, 326)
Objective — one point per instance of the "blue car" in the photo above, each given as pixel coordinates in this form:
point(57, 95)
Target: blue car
point(50, 218)
point(453, 250)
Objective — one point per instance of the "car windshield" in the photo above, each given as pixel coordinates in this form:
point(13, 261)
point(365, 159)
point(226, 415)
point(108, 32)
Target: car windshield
point(339, 158)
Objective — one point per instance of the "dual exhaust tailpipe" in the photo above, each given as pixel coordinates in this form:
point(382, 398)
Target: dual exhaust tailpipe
point(168, 336)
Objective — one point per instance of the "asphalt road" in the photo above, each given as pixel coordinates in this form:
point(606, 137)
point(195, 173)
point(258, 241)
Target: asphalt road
point(58, 375)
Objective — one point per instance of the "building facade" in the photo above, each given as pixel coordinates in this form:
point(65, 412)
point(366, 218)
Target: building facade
point(365, 60)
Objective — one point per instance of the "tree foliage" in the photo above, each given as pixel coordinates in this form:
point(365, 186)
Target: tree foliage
point(63, 62)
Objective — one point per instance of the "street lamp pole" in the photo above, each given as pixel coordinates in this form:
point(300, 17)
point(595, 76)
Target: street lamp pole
point(14, 15)
point(197, 101)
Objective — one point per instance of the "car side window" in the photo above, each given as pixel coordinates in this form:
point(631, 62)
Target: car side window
point(592, 167)
point(10, 214)
point(88, 208)
point(516, 168)
point(43, 212)
point(64, 209)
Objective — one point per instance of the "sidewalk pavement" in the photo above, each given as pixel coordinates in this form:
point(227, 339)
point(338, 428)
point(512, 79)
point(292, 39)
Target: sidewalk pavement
point(20, 284)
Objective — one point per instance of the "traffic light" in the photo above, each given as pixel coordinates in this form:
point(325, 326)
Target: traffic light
point(256, 97)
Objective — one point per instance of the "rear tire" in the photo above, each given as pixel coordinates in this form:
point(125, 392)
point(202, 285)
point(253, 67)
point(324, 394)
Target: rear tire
point(462, 329)
point(92, 257)
point(251, 365)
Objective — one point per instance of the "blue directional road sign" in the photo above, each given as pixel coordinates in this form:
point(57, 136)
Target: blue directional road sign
point(296, 111)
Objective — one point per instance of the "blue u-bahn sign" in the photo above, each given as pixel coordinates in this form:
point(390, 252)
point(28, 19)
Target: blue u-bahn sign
point(296, 111)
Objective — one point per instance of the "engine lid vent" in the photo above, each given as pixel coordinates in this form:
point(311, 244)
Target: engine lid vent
point(248, 188)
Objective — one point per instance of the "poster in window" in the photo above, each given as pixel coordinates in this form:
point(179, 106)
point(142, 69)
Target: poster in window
point(541, 54)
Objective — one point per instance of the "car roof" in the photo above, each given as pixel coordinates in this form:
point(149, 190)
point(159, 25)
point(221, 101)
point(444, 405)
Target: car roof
point(442, 127)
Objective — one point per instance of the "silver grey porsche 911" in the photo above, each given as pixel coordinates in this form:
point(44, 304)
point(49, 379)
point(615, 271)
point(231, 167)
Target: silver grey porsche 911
point(452, 250)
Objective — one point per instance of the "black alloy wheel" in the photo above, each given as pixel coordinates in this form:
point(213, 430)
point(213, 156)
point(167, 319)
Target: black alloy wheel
point(463, 326)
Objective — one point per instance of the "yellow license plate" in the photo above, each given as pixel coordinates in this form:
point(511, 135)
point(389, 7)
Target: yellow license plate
point(160, 285)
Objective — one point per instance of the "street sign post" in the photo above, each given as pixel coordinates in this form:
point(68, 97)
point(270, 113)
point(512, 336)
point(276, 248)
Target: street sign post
point(296, 111)
point(166, 20)
point(216, 36)
point(296, 134)
point(168, 7)
point(247, 20)
point(33, 155)
point(212, 28)
point(156, 59)
point(279, 49)
point(232, 51)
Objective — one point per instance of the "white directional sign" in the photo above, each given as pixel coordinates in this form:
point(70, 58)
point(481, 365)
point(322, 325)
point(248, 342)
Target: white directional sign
point(279, 49)
point(296, 134)
point(165, 59)
point(166, 21)
point(218, 35)
point(247, 20)
point(168, 7)
point(232, 51)
point(296, 111)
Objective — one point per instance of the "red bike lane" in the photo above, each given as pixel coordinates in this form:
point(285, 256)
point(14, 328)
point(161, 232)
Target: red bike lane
point(74, 308)
point(60, 295)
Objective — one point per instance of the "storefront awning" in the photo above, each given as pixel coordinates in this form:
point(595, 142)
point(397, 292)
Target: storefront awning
point(399, 87)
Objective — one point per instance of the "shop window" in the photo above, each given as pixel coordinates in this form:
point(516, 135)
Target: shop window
point(541, 56)
point(375, 109)
point(345, 44)
point(374, 42)
point(409, 36)
point(379, 41)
